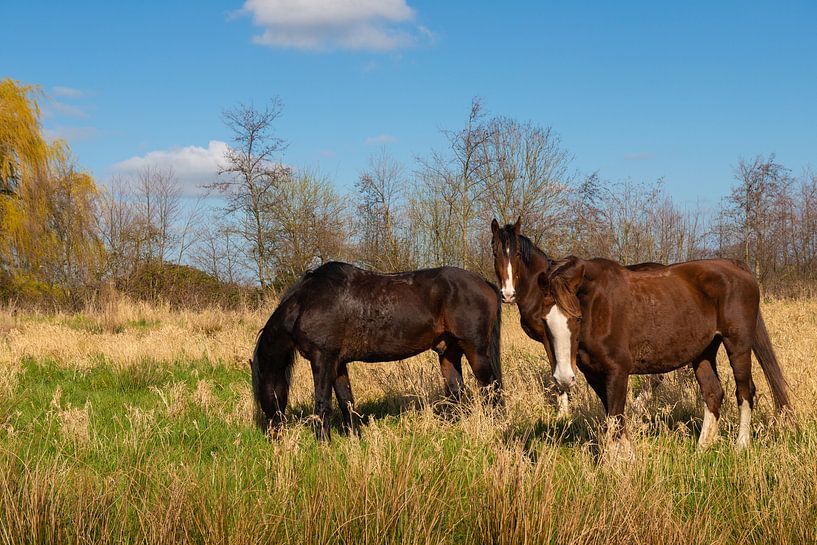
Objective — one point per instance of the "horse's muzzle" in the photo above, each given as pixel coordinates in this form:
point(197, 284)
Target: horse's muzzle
point(565, 383)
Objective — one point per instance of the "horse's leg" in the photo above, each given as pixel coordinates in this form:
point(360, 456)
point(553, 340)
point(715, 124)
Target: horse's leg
point(451, 368)
point(562, 404)
point(616, 386)
point(619, 448)
point(346, 402)
point(706, 372)
point(599, 385)
point(740, 358)
point(481, 366)
point(323, 375)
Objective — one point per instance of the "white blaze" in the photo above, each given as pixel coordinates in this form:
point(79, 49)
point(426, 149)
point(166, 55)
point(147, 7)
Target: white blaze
point(507, 287)
point(557, 324)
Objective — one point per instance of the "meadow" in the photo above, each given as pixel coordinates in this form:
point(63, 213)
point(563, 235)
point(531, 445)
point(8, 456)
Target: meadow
point(130, 423)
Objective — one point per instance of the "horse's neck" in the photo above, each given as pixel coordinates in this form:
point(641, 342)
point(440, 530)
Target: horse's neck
point(528, 294)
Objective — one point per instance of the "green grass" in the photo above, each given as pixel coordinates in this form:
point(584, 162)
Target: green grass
point(165, 452)
point(88, 324)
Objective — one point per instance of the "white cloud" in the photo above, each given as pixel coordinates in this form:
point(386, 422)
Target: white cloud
point(67, 92)
point(379, 139)
point(374, 25)
point(193, 166)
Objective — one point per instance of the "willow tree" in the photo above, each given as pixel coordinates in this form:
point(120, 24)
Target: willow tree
point(48, 234)
point(23, 150)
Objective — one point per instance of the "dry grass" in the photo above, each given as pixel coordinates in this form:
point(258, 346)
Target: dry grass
point(135, 423)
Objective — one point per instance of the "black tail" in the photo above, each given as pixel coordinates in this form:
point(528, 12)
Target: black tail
point(493, 346)
point(764, 353)
point(272, 372)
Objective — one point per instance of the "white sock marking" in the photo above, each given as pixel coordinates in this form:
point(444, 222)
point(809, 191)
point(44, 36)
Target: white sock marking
point(563, 405)
point(709, 429)
point(745, 430)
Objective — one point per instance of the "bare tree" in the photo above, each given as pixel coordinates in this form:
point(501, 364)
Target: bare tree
point(806, 227)
point(524, 172)
point(116, 228)
point(432, 215)
point(448, 187)
point(588, 235)
point(250, 178)
point(750, 205)
point(157, 201)
point(461, 175)
point(215, 251)
point(383, 245)
point(308, 226)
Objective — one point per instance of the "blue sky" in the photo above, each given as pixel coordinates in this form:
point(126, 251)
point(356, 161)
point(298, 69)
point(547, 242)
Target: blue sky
point(637, 90)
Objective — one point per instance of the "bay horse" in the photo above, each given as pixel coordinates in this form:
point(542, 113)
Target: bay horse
point(611, 322)
point(518, 264)
point(339, 313)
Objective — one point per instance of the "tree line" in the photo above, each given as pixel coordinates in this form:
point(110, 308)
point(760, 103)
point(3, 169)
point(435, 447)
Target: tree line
point(261, 223)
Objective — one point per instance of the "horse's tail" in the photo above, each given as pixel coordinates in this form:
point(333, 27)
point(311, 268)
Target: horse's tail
point(762, 347)
point(271, 366)
point(494, 342)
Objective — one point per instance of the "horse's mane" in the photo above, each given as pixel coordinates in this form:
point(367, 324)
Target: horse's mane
point(527, 249)
point(335, 270)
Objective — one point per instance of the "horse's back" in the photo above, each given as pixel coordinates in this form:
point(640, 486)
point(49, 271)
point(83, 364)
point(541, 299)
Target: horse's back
point(370, 316)
point(724, 281)
point(460, 278)
point(676, 311)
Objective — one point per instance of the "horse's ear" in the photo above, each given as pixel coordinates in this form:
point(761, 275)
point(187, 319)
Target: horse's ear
point(564, 282)
point(517, 226)
point(494, 226)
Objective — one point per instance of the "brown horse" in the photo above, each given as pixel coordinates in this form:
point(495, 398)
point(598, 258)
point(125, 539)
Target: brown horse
point(339, 313)
point(611, 322)
point(518, 264)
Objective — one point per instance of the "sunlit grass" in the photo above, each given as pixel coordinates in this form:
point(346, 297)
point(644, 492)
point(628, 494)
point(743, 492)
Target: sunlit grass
point(135, 424)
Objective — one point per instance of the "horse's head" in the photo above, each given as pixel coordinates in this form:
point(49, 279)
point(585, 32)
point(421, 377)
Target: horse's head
point(507, 257)
point(562, 316)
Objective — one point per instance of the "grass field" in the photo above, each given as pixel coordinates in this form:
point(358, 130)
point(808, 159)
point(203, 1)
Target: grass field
point(134, 424)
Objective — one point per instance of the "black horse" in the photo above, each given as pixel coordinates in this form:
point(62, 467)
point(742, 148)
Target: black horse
point(339, 313)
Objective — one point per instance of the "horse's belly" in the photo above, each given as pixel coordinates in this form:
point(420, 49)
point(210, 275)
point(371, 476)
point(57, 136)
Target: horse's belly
point(658, 350)
point(396, 337)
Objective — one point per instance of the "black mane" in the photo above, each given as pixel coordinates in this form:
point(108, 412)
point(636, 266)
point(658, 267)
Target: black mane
point(526, 247)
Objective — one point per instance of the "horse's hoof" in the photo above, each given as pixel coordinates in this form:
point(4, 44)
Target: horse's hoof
point(619, 452)
point(705, 443)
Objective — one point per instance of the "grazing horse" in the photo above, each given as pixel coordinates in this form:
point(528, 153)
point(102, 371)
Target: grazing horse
point(612, 322)
point(518, 264)
point(339, 313)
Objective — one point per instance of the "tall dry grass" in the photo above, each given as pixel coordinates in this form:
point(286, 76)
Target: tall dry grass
point(134, 423)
